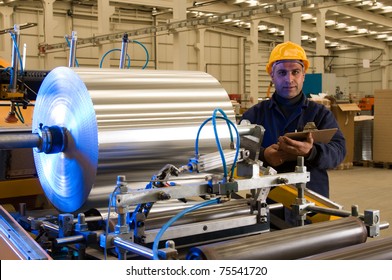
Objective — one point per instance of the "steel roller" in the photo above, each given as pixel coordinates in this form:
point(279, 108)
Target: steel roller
point(380, 249)
point(293, 243)
point(121, 122)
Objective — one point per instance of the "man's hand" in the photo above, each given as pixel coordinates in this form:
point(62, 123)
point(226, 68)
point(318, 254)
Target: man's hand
point(287, 149)
point(275, 157)
point(294, 147)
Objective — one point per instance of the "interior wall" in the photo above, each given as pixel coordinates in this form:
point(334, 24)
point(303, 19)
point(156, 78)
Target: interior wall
point(221, 50)
point(363, 68)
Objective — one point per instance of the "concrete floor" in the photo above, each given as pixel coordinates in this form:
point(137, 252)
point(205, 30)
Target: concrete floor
point(367, 187)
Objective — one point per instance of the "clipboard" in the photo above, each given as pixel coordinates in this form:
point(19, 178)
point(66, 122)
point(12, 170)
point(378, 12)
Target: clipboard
point(319, 136)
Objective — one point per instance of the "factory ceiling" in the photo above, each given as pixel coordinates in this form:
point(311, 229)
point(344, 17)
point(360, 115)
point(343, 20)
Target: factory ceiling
point(348, 23)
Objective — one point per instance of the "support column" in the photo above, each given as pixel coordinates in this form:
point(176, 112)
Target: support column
point(385, 70)
point(241, 67)
point(321, 51)
point(254, 63)
point(180, 54)
point(199, 46)
point(292, 26)
point(104, 14)
point(5, 40)
point(49, 27)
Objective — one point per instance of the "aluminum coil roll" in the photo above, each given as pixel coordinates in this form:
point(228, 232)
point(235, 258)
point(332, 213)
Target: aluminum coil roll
point(122, 122)
point(289, 244)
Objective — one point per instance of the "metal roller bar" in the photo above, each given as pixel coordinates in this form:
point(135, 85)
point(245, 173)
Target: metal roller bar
point(10, 141)
point(219, 211)
point(69, 240)
point(293, 243)
point(375, 250)
point(328, 211)
point(339, 213)
point(133, 247)
point(50, 227)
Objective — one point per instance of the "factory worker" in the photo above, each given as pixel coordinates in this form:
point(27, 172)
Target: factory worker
point(289, 110)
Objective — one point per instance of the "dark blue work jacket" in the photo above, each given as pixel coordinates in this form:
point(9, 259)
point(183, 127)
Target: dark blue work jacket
point(322, 157)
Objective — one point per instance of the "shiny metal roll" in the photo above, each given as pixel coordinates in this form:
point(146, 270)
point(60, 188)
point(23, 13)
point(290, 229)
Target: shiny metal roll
point(122, 122)
point(293, 243)
point(379, 249)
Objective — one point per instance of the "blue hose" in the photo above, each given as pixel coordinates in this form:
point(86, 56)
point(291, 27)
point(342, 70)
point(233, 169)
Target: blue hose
point(218, 144)
point(229, 122)
point(17, 51)
point(224, 115)
point(19, 57)
point(145, 49)
point(18, 113)
point(112, 50)
point(174, 219)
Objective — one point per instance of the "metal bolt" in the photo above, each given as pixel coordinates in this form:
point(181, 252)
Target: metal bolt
point(81, 218)
point(121, 179)
point(282, 180)
point(170, 244)
point(355, 210)
point(163, 196)
point(22, 209)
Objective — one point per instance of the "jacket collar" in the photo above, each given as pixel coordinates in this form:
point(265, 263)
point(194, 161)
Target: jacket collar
point(304, 101)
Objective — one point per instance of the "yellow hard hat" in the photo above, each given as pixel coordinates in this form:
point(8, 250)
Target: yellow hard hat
point(287, 51)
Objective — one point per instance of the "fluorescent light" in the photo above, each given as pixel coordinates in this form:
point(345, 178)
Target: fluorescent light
point(330, 22)
point(341, 25)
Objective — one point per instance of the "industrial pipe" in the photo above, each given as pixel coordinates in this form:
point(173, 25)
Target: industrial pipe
point(19, 140)
point(124, 51)
point(72, 49)
point(133, 247)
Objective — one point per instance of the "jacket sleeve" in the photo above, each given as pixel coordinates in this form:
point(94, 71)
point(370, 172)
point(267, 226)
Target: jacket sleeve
point(330, 155)
point(250, 115)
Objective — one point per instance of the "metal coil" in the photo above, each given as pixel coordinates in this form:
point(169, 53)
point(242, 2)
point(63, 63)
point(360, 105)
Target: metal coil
point(122, 122)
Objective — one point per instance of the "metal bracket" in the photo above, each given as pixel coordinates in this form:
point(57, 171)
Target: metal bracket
point(224, 188)
point(372, 222)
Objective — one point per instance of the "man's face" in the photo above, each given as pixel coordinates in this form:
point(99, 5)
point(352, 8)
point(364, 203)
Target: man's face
point(288, 78)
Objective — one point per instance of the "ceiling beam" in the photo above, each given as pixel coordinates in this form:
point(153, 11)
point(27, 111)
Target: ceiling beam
point(149, 3)
point(308, 28)
point(353, 12)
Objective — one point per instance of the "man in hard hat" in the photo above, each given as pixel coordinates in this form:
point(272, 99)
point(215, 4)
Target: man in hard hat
point(289, 110)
